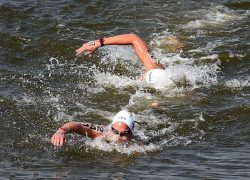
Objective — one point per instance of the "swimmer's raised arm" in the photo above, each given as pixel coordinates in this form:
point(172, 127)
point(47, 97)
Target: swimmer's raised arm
point(85, 129)
point(141, 49)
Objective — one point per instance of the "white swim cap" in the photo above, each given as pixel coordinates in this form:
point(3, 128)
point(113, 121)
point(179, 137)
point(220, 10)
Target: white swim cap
point(124, 116)
point(154, 75)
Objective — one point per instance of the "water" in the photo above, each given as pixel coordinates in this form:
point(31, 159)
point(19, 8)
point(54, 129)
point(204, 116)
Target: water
point(200, 132)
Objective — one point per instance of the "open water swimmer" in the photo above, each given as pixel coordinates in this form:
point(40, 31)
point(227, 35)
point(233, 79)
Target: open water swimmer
point(121, 129)
point(150, 63)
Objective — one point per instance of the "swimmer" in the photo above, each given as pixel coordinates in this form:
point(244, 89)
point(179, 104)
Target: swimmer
point(122, 129)
point(153, 70)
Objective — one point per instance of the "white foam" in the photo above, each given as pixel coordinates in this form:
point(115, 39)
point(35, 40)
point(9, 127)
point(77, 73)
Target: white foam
point(213, 17)
point(190, 77)
point(28, 99)
point(180, 72)
point(238, 84)
point(127, 148)
point(108, 79)
point(119, 54)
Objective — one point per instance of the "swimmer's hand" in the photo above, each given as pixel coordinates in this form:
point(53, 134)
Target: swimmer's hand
point(90, 47)
point(59, 138)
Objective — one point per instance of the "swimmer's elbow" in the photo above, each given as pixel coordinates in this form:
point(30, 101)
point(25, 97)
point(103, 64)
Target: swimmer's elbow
point(136, 41)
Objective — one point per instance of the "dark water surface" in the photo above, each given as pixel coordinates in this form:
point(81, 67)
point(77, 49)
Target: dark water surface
point(202, 130)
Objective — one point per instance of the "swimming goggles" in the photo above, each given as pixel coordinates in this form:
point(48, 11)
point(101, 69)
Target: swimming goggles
point(123, 133)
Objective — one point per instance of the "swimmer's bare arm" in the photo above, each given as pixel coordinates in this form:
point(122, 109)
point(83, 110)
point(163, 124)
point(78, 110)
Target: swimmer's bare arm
point(85, 129)
point(141, 49)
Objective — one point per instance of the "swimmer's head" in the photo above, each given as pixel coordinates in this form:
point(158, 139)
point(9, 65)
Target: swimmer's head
point(125, 117)
point(154, 75)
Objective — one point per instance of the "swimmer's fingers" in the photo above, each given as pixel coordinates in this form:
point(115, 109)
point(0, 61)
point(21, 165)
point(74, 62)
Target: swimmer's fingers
point(80, 50)
point(89, 48)
point(59, 139)
point(90, 52)
point(84, 49)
